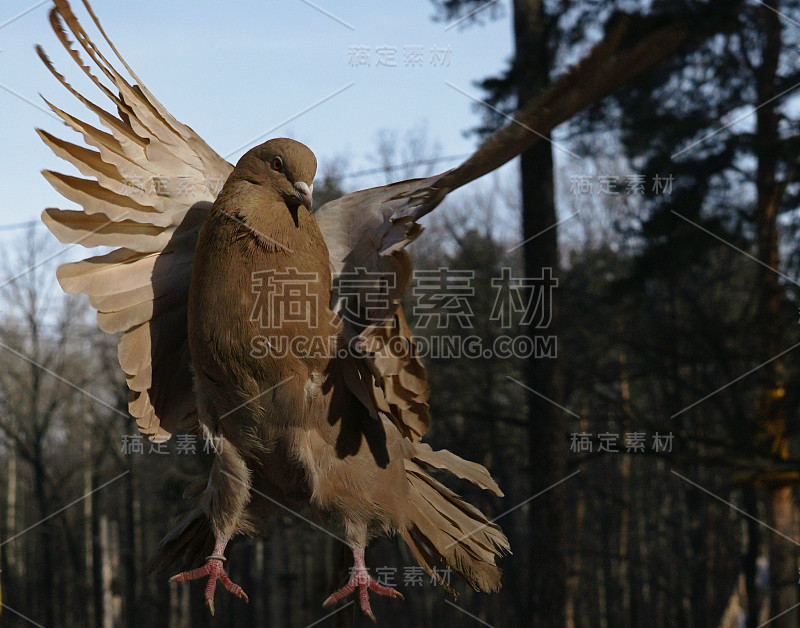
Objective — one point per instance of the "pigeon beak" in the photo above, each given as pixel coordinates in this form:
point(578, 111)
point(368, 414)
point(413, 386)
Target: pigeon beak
point(304, 193)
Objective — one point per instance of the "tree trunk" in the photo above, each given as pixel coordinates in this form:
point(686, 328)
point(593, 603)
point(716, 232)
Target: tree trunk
point(105, 557)
point(626, 582)
point(11, 512)
point(48, 573)
point(274, 579)
point(546, 423)
point(10, 555)
point(750, 557)
point(2, 563)
point(88, 556)
point(97, 573)
point(130, 554)
point(772, 419)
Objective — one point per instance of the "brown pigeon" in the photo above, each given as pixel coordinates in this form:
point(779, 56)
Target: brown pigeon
point(206, 290)
point(334, 427)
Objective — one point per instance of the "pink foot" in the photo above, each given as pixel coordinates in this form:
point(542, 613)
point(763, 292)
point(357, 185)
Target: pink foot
point(213, 569)
point(361, 580)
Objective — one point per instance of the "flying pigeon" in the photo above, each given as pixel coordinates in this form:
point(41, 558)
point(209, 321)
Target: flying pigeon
point(334, 426)
point(335, 430)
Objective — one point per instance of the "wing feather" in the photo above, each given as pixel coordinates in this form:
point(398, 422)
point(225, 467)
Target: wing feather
point(145, 195)
point(368, 230)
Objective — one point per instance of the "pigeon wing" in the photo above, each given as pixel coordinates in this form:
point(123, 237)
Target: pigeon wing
point(150, 183)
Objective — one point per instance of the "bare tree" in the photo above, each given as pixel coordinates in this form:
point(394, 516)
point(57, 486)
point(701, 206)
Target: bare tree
point(49, 374)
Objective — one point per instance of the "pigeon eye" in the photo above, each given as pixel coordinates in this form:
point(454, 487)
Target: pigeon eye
point(277, 164)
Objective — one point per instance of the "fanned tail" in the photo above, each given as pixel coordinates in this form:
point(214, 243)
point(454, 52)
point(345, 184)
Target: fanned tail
point(442, 530)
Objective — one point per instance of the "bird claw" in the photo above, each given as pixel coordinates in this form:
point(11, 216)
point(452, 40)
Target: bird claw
point(362, 581)
point(213, 569)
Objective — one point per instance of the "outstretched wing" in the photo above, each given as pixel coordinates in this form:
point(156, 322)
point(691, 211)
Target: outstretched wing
point(371, 270)
point(150, 184)
point(367, 231)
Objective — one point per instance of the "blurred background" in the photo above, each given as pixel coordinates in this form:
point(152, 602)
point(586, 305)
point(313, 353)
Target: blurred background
point(646, 251)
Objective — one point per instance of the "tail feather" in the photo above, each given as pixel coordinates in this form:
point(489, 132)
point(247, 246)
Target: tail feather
point(447, 460)
point(442, 529)
point(190, 541)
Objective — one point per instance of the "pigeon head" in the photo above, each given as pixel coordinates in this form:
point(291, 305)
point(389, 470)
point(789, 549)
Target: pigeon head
point(283, 165)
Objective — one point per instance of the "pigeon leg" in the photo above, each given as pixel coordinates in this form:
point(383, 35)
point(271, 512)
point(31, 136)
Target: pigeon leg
point(213, 569)
point(361, 580)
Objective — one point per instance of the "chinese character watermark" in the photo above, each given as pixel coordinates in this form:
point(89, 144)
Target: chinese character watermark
point(614, 185)
point(609, 442)
point(284, 297)
point(388, 56)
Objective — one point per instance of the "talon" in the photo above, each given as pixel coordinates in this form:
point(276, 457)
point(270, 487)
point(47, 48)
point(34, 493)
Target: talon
point(213, 569)
point(361, 580)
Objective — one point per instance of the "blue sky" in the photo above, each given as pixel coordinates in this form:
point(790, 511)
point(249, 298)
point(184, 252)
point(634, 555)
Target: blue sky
point(234, 72)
